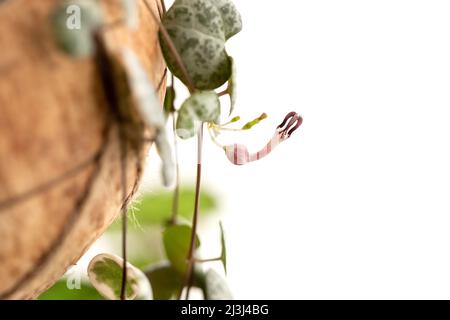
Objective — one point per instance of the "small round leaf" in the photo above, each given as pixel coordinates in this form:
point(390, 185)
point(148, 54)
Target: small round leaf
point(215, 287)
point(202, 106)
point(74, 23)
point(105, 274)
point(176, 240)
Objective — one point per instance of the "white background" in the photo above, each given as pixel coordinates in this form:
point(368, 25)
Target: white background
point(356, 204)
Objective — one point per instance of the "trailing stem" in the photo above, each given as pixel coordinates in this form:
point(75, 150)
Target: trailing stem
point(192, 245)
point(123, 164)
point(176, 191)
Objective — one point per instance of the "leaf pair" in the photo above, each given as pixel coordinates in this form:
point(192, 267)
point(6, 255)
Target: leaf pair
point(200, 107)
point(168, 277)
point(199, 30)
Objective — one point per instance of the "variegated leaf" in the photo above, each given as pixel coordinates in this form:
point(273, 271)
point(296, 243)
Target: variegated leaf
point(215, 287)
point(199, 30)
point(74, 23)
point(202, 106)
point(230, 16)
point(105, 274)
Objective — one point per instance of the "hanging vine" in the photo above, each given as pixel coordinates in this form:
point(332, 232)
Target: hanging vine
point(193, 36)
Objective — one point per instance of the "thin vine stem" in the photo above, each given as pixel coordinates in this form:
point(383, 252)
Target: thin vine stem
point(176, 192)
point(223, 93)
point(192, 245)
point(208, 260)
point(123, 164)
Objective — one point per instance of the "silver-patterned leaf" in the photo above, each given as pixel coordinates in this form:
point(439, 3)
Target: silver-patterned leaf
point(215, 287)
point(74, 23)
point(202, 106)
point(105, 274)
point(230, 16)
point(199, 32)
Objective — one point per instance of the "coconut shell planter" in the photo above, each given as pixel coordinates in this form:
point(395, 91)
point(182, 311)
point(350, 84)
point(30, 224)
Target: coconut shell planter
point(60, 159)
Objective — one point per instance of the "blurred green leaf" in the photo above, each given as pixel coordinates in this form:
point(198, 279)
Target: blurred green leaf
point(156, 208)
point(215, 287)
point(177, 240)
point(223, 255)
point(59, 291)
point(74, 23)
point(165, 280)
point(169, 100)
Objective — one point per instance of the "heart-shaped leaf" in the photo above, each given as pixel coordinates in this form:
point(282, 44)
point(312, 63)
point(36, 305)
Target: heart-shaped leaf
point(74, 23)
point(215, 287)
point(202, 106)
point(177, 239)
point(166, 282)
point(105, 274)
point(199, 30)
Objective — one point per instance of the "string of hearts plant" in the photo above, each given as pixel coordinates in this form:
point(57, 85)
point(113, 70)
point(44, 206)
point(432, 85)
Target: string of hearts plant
point(193, 35)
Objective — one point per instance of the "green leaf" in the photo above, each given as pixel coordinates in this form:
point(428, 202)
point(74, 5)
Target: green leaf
point(202, 106)
point(169, 100)
point(199, 30)
point(105, 274)
point(156, 208)
point(165, 280)
point(223, 255)
point(232, 86)
point(177, 240)
point(60, 291)
point(215, 287)
point(74, 23)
